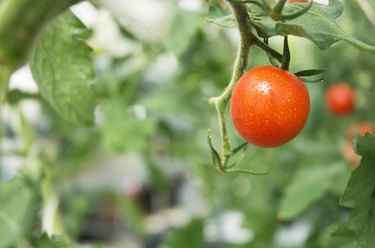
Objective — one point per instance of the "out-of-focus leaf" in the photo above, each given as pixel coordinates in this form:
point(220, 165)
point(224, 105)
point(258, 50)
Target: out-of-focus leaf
point(338, 235)
point(360, 193)
point(181, 31)
point(17, 203)
point(122, 130)
point(62, 65)
point(54, 241)
point(308, 185)
point(165, 100)
point(189, 236)
point(15, 96)
point(77, 208)
point(21, 23)
point(131, 214)
point(27, 132)
point(159, 179)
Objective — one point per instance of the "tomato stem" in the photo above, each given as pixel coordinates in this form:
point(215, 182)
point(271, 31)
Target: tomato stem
point(240, 64)
point(265, 47)
point(279, 7)
point(247, 39)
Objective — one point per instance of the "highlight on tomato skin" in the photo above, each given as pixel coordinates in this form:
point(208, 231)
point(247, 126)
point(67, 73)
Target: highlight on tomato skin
point(269, 106)
point(340, 99)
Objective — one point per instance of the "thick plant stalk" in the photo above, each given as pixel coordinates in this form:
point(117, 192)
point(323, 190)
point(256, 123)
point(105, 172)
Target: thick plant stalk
point(221, 102)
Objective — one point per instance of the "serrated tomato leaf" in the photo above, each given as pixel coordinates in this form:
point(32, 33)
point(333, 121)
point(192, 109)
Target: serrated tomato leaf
point(17, 200)
point(318, 24)
point(360, 192)
point(62, 65)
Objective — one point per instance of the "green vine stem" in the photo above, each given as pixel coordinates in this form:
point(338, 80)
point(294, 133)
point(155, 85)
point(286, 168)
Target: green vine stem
point(221, 102)
point(279, 7)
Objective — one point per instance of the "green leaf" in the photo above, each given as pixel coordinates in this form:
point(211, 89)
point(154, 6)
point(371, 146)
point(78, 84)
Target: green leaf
point(55, 241)
point(62, 66)
point(131, 213)
point(311, 76)
point(158, 178)
point(27, 132)
point(308, 185)
point(318, 24)
point(17, 202)
point(360, 192)
point(181, 32)
point(338, 235)
point(189, 236)
point(122, 130)
point(220, 14)
point(28, 18)
point(216, 160)
point(310, 72)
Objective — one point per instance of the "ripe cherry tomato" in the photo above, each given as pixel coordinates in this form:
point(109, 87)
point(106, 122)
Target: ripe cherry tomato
point(269, 106)
point(340, 99)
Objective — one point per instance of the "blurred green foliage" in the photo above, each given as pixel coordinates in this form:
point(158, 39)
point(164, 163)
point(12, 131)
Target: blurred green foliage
point(152, 103)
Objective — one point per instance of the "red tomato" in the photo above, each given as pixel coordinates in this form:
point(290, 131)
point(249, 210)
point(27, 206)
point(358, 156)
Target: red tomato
point(340, 99)
point(269, 106)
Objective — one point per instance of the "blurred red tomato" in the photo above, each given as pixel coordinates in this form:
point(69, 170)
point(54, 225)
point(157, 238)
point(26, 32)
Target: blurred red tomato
point(340, 99)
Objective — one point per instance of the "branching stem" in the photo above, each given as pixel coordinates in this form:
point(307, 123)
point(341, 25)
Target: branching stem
point(221, 102)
